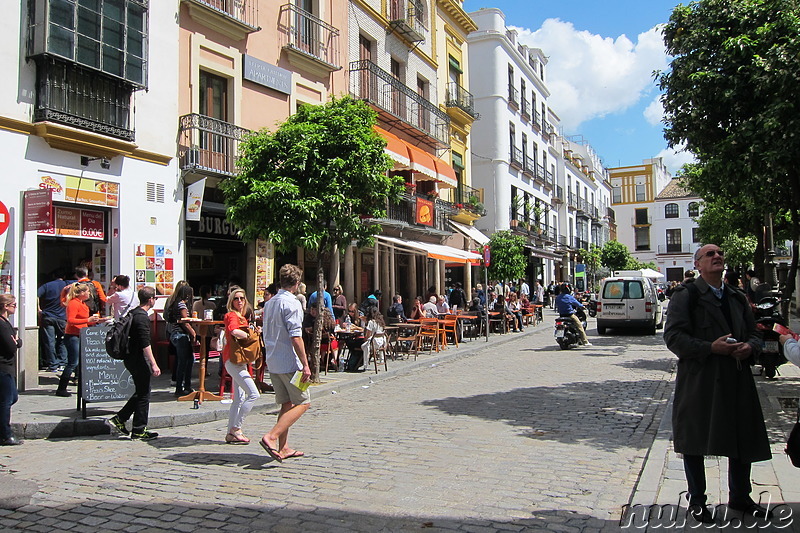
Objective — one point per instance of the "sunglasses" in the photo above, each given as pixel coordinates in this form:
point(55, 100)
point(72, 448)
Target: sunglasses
point(238, 298)
point(711, 253)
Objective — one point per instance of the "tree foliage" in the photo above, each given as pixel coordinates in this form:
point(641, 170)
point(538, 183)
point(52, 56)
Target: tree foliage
point(315, 181)
point(508, 258)
point(615, 255)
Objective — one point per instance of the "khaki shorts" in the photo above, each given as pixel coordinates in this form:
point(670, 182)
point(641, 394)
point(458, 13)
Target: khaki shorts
point(286, 392)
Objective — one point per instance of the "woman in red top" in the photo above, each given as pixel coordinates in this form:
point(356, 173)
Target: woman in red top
point(246, 391)
point(77, 319)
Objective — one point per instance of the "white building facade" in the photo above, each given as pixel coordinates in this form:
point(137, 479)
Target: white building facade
point(91, 118)
point(674, 230)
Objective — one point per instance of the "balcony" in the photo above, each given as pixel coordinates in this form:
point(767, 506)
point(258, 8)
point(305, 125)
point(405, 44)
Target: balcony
point(530, 165)
point(515, 158)
point(612, 217)
point(208, 145)
point(678, 248)
point(540, 173)
point(549, 179)
point(572, 200)
point(580, 244)
point(558, 195)
point(642, 220)
point(398, 105)
point(403, 215)
point(310, 43)
point(232, 18)
point(525, 112)
point(513, 96)
point(457, 97)
point(469, 203)
point(407, 19)
point(537, 121)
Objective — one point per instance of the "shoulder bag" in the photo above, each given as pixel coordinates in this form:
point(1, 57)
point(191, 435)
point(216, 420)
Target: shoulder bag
point(246, 351)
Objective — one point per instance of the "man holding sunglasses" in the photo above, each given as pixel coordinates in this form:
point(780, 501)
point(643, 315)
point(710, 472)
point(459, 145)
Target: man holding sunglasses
point(716, 411)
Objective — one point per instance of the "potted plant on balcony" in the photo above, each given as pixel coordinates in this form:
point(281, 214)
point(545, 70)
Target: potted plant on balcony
point(537, 217)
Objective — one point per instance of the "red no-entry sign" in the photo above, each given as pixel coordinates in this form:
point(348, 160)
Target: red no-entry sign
point(5, 218)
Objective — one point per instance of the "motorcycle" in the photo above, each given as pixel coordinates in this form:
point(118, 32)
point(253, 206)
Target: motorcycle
point(591, 306)
point(566, 333)
point(767, 314)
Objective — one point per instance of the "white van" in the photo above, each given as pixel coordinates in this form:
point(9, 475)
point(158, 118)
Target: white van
point(628, 301)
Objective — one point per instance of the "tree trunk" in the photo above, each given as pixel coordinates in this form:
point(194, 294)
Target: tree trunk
point(316, 337)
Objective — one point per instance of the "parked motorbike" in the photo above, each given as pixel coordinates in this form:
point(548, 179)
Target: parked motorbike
point(566, 333)
point(767, 314)
point(591, 306)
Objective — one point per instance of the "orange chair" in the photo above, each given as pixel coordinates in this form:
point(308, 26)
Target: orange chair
point(451, 327)
point(429, 329)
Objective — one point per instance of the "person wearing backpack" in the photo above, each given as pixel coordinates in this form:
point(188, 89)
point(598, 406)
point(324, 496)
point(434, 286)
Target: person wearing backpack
point(141, 364)
point(97, 297)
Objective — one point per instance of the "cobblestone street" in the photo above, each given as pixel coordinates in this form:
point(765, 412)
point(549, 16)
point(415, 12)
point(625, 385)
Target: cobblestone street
point(519, 437)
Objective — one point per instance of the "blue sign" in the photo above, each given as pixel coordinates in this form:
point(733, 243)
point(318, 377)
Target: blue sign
point(268, 75)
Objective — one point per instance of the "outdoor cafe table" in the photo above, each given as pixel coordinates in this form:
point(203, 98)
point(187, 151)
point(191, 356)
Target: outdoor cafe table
point(201, 394)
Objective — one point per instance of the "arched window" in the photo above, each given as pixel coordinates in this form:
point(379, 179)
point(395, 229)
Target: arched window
point(671, 211)
point(694, 209)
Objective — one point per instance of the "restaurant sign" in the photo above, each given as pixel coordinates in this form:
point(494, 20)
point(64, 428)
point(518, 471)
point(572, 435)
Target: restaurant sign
point(424, 212)
point(80, 190)
point(38, 209)
point(77, 223)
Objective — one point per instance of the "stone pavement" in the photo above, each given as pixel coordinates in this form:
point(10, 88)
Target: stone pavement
point(513, 435)
point(657, 503)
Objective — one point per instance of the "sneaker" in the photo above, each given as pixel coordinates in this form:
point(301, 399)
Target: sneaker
point(588, 344)
point(145, 434)
point(63, 393)
point(119, 424)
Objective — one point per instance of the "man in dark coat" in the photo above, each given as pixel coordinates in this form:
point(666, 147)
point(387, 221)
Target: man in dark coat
point(716, 412)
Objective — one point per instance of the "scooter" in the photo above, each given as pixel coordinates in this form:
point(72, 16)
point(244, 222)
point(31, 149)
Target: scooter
point(566, 333)
point(591, 306)
point(767, 314)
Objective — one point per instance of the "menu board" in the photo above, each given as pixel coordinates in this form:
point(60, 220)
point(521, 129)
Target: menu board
point(265, 265)
point(78, 223)
point(80, 190)
point(154, 266)
point(103, 379)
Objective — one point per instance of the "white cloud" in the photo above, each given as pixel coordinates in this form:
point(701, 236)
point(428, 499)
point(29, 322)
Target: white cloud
point(591, 76)
point(675, 159)
point(654, 113)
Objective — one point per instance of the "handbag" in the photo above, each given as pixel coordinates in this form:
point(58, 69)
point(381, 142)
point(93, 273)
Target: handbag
point(793, 444)
point(246, 351)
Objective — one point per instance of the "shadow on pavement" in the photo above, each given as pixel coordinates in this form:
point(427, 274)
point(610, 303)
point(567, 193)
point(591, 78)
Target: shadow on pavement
point(585, 409)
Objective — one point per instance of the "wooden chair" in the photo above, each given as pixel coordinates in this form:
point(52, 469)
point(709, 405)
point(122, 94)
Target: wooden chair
point(405, 340)
point(451, 327)
point(375, 349)
point(429, 329)
point(498, 318)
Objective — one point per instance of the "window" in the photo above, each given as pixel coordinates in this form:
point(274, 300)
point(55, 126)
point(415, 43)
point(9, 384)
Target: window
point(641, 217)
point(640, 193)
point(616, 195)
point(458, 167)
point(673, 241)
point(109, 36)
point(671, 211)
point(695, 235)
point(694, 209)
point(213, 96)
point(525, 150)
point(642, 236)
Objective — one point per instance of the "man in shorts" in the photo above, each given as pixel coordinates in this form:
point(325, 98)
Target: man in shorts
point(285, 354)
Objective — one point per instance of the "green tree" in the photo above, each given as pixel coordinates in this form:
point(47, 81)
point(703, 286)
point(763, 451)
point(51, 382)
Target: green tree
point(508, 258)
point(615, 255)
point(316, 182)
point(730, 97)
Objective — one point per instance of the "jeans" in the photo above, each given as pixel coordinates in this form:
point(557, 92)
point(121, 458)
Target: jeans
point(8, 397)
point(51, 342)
point(184, 359)
point(137, 405)
point(73, 343)
point(245, 396)
point(739, 487)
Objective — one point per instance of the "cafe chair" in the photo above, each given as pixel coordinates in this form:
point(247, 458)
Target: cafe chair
point(429, 332)
point(406, 340)
point(498, 320)
point(451, 328)
point(376, 349)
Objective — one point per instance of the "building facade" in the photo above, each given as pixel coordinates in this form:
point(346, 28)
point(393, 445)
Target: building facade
point(674, 230)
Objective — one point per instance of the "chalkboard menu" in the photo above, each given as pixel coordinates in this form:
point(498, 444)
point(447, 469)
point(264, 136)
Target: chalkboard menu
point(103, 379)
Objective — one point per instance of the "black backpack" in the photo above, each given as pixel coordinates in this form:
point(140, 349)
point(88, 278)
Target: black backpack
point(118, 337)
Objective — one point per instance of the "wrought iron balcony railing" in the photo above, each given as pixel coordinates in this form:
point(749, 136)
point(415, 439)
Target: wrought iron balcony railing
point(470, 198)
point(525, 111)
point(540, 173)
point(515, 157)
point(398, 101)
point(209, 145)
point(303, 32)
point(572, 200)
point(407, 17)
point(558, 194)
point(612, 217)
point(457, 96)
point(530, 165)
point(549, 179)
point(242, 11)
point(404, 213)
point(537, 120)
point(642, 220)
point(513, 96)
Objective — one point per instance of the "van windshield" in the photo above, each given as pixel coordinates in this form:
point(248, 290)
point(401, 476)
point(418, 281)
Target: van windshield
point(623, 290)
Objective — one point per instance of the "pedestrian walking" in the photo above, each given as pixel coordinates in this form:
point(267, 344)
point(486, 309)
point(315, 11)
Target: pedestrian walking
point(141, 364)
point(181, 335)
point(53, 321)
point(9, 344)
point(716, 411)
point(285, 355)
point(121, 297)
point(78, 317)
point(246, 392)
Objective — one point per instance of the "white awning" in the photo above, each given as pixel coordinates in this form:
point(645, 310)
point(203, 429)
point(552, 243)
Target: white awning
point(471, 232)
point(435, 251)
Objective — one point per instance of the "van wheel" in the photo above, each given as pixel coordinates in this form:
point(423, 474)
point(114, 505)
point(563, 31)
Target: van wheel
point(601, 330)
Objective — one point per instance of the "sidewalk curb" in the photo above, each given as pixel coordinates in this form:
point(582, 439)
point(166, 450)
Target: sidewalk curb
point(92, 426)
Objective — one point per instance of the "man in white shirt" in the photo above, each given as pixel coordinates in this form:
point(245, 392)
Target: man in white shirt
point(121, 297)
point(524, 289)
point(430, 308)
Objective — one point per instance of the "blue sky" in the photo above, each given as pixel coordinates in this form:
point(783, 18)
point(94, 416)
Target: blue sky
point(601, 57)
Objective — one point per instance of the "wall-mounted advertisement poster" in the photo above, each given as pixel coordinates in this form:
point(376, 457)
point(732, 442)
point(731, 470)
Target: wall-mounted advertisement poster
point(154, 266)
point(80, 190)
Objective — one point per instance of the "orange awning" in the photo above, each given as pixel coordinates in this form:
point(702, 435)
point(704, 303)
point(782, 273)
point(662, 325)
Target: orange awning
point(396, 148)
point(422, 162)
point(419, 161)
point(446, 173)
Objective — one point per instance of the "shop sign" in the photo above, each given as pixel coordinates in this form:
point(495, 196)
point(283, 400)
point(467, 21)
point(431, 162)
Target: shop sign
point(265, 255)
point(424, 212)
point(212, 226)
point(487, 256)
point(80, 190)
point(194, 199)
point(154, 266)
point(37, 206)
point(5, 218)
point(268, 75)
point(77, 223)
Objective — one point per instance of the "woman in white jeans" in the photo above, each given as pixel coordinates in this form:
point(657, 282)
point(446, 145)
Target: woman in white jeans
point(375, 325)
point(246, 392)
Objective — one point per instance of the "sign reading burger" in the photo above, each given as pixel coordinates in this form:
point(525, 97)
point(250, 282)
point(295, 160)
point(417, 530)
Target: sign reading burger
point(424, 212)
